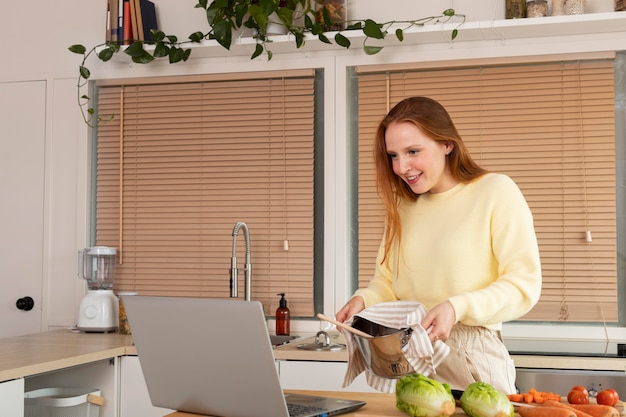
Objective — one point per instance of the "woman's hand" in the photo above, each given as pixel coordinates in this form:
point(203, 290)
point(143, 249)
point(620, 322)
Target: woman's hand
point(440, 320)
point(353, 306)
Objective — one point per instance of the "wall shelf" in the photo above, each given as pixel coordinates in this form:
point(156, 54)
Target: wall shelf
point(433, 34)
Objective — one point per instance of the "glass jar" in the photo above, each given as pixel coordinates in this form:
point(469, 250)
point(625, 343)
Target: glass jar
point(124, 327)
point(536, 8)
point(515, 9)
point(558, 7)
point(574, 6)
point(337, 13)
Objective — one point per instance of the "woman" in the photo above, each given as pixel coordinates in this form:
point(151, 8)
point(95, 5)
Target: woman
point(457, 239)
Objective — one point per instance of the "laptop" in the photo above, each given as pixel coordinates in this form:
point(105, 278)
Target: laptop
point(214, 357)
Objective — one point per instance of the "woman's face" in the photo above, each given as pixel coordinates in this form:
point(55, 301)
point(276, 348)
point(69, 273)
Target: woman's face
point(419, 160)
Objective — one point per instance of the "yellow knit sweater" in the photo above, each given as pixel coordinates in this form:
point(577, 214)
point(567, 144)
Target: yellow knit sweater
point(473, 245)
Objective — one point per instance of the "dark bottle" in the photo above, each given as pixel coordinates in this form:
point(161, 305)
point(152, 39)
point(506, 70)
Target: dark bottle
point(283, 317)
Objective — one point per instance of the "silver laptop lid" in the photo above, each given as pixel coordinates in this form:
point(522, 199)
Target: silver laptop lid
point(206, 356)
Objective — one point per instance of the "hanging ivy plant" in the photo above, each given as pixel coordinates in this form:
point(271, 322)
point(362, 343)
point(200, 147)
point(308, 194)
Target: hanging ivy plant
point(226, 17)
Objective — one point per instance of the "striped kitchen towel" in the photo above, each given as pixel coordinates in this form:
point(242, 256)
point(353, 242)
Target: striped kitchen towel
point(423, 355)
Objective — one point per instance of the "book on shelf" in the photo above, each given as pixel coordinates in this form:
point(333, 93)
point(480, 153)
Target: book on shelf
point(113, 25)
point(134, 9)
point(126, 25)
point(131, 20)
point(147, 18)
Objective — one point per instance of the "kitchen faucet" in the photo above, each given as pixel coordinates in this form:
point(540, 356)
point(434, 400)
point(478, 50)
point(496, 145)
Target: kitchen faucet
point(233, 261)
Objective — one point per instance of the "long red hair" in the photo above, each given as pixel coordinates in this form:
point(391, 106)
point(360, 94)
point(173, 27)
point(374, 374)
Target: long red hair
point(431, 118)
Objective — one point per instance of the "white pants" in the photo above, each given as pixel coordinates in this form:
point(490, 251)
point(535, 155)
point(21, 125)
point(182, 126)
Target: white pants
point(476, 354)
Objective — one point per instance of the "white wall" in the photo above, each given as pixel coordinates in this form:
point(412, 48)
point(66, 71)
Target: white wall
point(40, 33)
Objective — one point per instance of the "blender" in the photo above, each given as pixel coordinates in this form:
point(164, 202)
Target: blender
point(98, 310)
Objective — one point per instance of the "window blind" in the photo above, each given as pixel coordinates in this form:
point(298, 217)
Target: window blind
point(548, 125)
point(183, 161)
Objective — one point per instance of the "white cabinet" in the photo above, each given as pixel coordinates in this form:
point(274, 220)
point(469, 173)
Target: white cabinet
point(12, 398)
point(97, 375)
point(324, 376)
point(134, 398)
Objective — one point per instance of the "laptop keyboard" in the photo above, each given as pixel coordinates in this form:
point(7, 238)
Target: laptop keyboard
point(296, 410)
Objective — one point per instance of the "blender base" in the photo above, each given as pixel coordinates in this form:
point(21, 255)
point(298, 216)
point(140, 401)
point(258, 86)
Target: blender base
point(99, 312)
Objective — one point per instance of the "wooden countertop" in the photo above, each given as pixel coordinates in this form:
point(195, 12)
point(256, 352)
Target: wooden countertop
point(378, 404)
point(32, 354)
point(290, 351)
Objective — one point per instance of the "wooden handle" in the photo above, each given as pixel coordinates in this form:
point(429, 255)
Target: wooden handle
point(344, 326)
point(95, 399)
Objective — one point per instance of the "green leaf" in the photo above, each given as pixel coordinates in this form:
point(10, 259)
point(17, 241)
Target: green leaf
point(202, 3)
point(161, 50)
point(85, 97)
point(196, 37)
point(84, 72)
point(186, 54)
point(172, 38)
point(342, 40)
point(223, 33)
point(78, 49)
point(175, 55)
point(286, 16)
point(135, 49)
point(400, 34)
point(157, 35)
point(91, 110)
point(373, 30)
point(449, 12)
point(105, 55)
point(299, 39)
point(269, 55)
point(143, 58)
point(323, 38)
point(372, 50)
point(455, 32)
point(257, 51)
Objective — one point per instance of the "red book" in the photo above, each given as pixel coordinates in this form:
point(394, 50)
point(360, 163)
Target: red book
point(128, 29)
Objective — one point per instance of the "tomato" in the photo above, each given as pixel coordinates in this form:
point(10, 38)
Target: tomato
point(614, 393)
point(577, 397)
point(607, 397)
point(581, 389)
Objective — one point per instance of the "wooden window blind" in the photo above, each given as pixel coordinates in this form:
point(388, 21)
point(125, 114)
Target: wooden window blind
point(550, 126)
point(182, 162)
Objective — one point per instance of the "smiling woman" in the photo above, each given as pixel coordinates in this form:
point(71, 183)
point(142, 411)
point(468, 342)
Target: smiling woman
point(195, 156)
point(557, 140)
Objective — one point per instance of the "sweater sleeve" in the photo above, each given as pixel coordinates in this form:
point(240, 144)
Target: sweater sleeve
point(518, 285)
point(379, 289)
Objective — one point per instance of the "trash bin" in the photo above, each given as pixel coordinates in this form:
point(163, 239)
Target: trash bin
point(63, 402)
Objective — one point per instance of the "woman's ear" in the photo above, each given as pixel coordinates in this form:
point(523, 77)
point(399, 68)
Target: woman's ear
point(449, 148)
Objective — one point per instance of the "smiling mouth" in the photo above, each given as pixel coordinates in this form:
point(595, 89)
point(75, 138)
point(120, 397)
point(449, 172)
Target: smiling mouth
point(412, 179)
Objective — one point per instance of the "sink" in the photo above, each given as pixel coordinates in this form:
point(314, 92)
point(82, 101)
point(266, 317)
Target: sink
point(278, 340)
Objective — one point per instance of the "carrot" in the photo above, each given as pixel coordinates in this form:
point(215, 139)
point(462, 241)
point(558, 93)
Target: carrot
point(534, 396)
point(579, 413)
point(597, 410)
point(543, 411)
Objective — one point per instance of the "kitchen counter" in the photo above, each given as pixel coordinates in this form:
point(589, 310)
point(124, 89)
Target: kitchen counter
point(290, 351)
point(378, 404)
point(33, 354)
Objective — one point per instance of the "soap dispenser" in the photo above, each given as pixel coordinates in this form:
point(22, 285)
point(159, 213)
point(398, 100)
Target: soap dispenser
point(283, 317)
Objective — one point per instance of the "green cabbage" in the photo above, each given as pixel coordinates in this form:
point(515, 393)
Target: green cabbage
point(419, 396)
point(482, 400)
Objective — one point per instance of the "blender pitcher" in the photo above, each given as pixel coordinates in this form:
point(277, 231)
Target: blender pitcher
point(99, 309)
point(97, 266)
